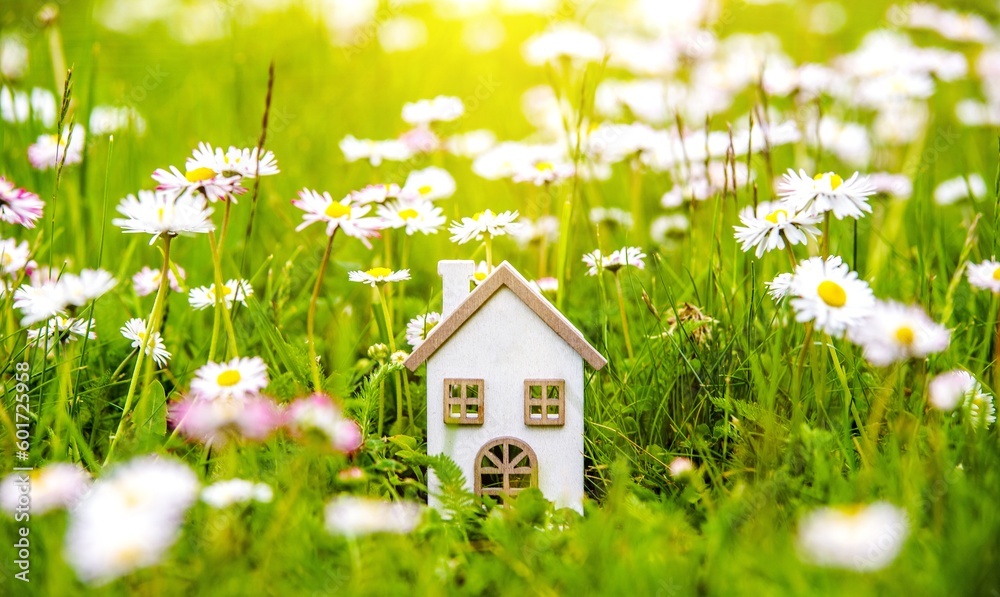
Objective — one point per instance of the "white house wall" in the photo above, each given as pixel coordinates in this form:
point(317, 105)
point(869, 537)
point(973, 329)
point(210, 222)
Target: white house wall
point(505, 343)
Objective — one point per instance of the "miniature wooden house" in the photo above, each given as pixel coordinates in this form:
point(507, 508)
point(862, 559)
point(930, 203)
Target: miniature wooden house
point(505, 381)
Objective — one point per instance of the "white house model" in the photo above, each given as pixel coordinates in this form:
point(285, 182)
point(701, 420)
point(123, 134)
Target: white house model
point(505, 387)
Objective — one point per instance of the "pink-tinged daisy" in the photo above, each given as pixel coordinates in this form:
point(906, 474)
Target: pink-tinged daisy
point(378, 276)
point(14, 256)
point(985, 275)
point(18, 206)
point(772, 224)
point(484, 223)
point(233, 291)
point(374, 193)
point(414, 217)
point(47, 152)
point(204, 181)
point(319, 416)
point(547, 285)
point(239, 379)
point(215, 421)
point(234, 162)
point(893, 332)
point(160, 213)
point(827, 192)
point(420, 140)
point(829, 294)
point(420, 327)
point(135, 330)
point(147, 280)
point(338, 215)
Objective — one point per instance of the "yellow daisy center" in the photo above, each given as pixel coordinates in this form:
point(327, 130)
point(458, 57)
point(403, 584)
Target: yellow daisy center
point(996, 274)
point(835, 179)
point(905, 335)
point(199, 174)
point(408, 214)
point(777, 216)
point(7, 259)
point(425, 189)
point(479, 276)
point(477, 216)
point(833, 294)
point(228, 378)
point(226, 291)
point(159, 213)
point(337, 210)
point(543, 166)
point(379, 272)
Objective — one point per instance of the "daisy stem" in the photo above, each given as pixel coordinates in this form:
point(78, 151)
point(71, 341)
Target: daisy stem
point(489, 253)
point(621, 307)
point(826, 236)
point(311, 315)
point(800, 366)
point(791, 255)
point(151, 331)
point(225, 226)
point(392, 349)
point(996, 356)
point(220, 301)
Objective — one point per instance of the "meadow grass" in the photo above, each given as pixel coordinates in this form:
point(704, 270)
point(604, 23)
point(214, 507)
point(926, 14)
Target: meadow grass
point(777, 421)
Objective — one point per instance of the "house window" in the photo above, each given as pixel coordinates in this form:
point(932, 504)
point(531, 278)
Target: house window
point(544, 402)
point(505, 467)
point(463, 401)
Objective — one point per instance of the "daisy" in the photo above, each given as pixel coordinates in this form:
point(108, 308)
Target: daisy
point(201, 180)
point(442, 108)
point(958, 188)
point(339, 215)
point(429, 184)
point(680, 467)
point(626, 256)
point(234, 291)
point(375, 193)
point(146, 281)
point(612, 216)
point(164, 213)
point(60, 330)
point(18, 206)
point(48, 151)
point(827, 192)
point(481, 272)
point(90, 284)
point(234, 162)
point(239, 379)
point(779, 287)
point(106, 120)
point(418, 216)
point(772, 223)
point(985, 275)
point(862, 538)
point(319, 416)
point(979, 405)
point(545, 228)
point(19, 106)
point(471, 144)
point(484, 223)
point(352, 516)
point(129, 518)
point(420, 327)
point(377, 276)
point(374, 151)
point(547, 285)
point(53, 486)
point(948, 390)
point(893, 332)
point(420, 140)
point(38, 302)
point(14, 256)
point(222, 494)
point(541, 172)
point(135, 330)
point(214, 422)
point(830, 294)
point(564, 42)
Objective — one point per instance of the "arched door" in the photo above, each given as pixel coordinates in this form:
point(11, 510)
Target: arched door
point(505, 466)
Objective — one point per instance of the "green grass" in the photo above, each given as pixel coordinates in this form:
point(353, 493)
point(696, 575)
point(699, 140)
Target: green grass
point(767, 449)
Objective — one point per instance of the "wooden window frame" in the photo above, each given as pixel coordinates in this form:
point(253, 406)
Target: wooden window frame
point(464, 401)
point(506, 467)
point(544, 402)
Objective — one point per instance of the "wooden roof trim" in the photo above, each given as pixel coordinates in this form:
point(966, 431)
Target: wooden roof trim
point(505, 276)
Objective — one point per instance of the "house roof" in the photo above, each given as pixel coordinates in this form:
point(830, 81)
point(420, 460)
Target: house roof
point(505, 276)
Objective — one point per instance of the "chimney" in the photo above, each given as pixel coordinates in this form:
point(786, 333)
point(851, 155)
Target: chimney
point(457, 278)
